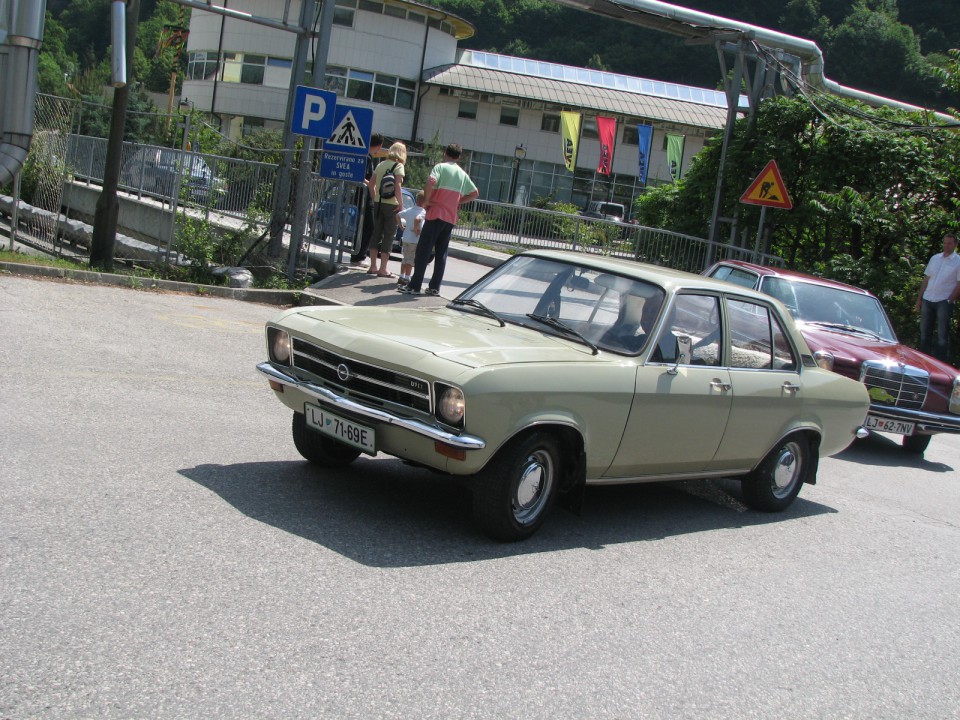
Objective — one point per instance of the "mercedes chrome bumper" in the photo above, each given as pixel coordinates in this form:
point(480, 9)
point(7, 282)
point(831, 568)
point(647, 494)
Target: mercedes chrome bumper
point(925, 421)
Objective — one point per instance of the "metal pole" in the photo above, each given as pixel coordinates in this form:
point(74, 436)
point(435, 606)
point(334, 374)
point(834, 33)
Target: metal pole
point(108, 207)
point(281, 193)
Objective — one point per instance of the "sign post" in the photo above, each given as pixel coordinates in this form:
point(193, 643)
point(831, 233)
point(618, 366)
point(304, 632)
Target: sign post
point(767, 190)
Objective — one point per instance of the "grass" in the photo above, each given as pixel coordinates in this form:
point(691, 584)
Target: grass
point(44, 260)
point(276, 281)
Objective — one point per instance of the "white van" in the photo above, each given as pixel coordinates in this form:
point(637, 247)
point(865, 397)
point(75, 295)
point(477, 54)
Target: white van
point(605, 210)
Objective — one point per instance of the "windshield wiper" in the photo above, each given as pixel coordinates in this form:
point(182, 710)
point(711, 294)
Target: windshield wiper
point(562, 327)
point(845, 328)
point(481, 307)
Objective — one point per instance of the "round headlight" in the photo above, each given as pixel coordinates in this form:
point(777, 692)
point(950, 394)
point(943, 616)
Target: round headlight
point(450, 406)
point(824, 359)
point(280, 346)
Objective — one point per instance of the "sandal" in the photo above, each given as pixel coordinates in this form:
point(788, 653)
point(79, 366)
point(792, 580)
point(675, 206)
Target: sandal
point(386, 275)
point(371, 272)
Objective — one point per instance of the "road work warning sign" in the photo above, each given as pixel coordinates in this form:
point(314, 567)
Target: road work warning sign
point(768, 189)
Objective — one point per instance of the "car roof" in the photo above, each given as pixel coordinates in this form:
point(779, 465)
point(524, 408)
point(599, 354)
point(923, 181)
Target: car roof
point(766, 271)
point(667, 277)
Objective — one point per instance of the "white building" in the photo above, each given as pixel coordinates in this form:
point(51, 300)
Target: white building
point(400, 58)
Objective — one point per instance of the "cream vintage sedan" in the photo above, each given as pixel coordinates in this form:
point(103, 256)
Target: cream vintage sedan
point(559, 370)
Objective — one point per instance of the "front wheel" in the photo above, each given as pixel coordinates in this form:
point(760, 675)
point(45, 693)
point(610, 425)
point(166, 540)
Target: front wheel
point(916, 443)
point(513, 493)
point(773, 486)
point(319, 449)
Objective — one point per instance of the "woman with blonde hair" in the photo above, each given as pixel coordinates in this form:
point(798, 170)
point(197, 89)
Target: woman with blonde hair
point(385, 185)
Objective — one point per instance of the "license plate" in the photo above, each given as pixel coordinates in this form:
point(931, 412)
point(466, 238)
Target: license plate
point(340, 428)
point(890, 426)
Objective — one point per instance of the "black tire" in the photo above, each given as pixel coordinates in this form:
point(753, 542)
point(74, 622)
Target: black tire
point(916, 443)
point(774, 485)
point(319, 449)
point(513, 493)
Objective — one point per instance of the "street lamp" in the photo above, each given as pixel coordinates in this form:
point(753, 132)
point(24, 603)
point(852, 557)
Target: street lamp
point(519, 153)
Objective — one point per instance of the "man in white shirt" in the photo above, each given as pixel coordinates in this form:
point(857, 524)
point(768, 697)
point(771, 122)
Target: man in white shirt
point(938, 293)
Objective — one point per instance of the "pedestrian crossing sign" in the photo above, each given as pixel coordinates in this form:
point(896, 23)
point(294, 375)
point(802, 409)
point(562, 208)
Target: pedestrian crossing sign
point(768, 189)
point(351, 130)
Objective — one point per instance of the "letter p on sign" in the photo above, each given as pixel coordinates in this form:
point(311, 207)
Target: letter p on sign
point(313, 112)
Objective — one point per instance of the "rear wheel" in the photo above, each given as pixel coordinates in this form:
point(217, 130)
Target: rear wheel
point(916, 443)
point(513, 493)
point(319, 449)
point(773, 486)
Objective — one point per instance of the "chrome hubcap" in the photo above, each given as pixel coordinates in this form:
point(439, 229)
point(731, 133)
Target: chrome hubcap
point(533, 487)
point(787, 468)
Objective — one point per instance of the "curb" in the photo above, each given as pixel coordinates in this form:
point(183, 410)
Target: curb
point(266, 297)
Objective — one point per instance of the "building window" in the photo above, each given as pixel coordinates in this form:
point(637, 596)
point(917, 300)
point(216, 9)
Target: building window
point(394, 11)
point(550, 123)
point(510, 116)
point(359, 85)
point(468, 110)
point(202, 65)
point(335, 80)
point(343, 12)
point(630, 135)
point(405, 93)
point(251, 70)
point(588, 128)
point(371, 6)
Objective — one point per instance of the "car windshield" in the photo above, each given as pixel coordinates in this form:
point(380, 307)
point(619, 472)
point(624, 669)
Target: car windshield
point(613, 312)
point(831, 306)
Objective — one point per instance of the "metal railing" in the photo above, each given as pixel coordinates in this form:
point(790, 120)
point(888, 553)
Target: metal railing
point(512, 228)
point(232, 188)
point(229, 186)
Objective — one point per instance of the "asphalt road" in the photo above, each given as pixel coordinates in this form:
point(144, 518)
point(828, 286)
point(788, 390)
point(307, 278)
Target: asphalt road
point(165, 553)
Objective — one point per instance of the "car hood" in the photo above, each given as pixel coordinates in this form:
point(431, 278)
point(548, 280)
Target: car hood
point(406, 336)
point(853, 349)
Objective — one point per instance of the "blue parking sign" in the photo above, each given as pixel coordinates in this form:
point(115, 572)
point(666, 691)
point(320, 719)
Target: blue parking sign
point(313, 112)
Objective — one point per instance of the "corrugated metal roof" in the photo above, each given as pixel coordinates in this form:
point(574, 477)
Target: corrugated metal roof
point(575, 95)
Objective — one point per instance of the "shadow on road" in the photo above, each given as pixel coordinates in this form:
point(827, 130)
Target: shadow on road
point(883, 451)
point(387, 514)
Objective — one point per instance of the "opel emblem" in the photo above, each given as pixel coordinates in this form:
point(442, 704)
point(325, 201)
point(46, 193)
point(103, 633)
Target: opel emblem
point(343, 372)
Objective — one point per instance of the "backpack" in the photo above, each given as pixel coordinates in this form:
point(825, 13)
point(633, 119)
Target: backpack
point(388, 184)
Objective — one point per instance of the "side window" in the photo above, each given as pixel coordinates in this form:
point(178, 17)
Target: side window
point(756, 339)
point(697, 317)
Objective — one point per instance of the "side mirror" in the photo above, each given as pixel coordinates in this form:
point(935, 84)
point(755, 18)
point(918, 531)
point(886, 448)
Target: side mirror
point(682, 353)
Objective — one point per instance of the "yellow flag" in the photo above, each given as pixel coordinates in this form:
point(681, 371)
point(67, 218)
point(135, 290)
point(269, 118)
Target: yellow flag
point(570, 127)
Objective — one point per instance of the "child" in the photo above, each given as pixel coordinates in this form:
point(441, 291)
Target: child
point(412, 219)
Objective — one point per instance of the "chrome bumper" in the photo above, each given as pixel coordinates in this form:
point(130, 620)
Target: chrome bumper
point(286, 377)
point(926, 422)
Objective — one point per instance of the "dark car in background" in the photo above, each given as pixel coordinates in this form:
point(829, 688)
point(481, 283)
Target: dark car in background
point(911, 394)
point(350, 216)
point(153, 170)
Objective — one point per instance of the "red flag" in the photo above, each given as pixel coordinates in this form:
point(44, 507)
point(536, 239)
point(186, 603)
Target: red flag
point(607, 130)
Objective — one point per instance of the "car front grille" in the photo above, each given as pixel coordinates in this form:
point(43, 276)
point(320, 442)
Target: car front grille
point(371, 382)
point(899, 386)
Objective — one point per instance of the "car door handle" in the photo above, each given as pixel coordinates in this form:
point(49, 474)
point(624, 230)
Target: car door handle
point(720, 385)
point(790, 387)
